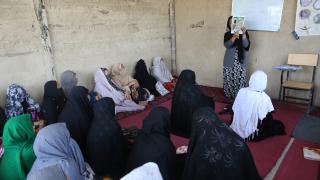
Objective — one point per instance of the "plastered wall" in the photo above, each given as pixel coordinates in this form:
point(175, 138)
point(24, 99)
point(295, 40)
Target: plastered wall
point(38, 37)
point(200, 28)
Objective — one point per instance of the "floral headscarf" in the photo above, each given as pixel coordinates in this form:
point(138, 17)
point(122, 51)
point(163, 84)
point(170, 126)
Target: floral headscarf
point(19, 102)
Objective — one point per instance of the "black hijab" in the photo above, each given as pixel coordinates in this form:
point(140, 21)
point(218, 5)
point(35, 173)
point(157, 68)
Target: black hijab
point(2, 120)
point(238, 42)
point(106, 144)
point(77, 114)
point(144, 78)
point(215, 151)
point(53, 102)
point(153, 144)
point(187, 98)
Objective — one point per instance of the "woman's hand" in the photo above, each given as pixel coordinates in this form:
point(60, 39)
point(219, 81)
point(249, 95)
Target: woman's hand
point(234, 37)
point(37, 125)
point(127, 96)
point(244, 33)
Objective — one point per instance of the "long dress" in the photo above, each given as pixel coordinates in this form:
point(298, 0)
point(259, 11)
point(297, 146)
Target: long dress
point(153, 144)
point(252, 118)
point(107, 147)
point(77, 114)
point(53, 102)
point(235, 64)
point(187, 98)
point(216, 152)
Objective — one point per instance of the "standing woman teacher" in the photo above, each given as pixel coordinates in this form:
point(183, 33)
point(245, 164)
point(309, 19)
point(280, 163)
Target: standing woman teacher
point(235, 63)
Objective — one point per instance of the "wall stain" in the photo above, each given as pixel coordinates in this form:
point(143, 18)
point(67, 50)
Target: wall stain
point(56, 25)
point(16, 54)
point(199, 24)
point(103, 11)
point(134, 27)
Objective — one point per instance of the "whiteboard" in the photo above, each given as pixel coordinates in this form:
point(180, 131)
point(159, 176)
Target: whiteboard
point(262, 15)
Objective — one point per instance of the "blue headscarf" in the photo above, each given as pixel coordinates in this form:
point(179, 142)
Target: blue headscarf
point(54, 146)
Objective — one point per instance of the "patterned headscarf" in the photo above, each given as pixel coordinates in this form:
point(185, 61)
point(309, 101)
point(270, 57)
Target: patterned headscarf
point(19, 102)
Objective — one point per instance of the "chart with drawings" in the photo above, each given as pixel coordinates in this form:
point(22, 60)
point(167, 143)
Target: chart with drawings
point(308, 17)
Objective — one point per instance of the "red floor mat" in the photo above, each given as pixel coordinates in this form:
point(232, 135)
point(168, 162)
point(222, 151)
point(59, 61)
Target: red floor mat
point(295, 167)
point(265, 153)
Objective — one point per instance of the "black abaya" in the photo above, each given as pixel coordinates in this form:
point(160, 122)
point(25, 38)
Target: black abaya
point(269, 127)
point(153, 144)
point(2, 120)
point(144, 78)
point(107, 151)
point(215, 151)
point(77, 114)
point(53, 102)
point(187, 98)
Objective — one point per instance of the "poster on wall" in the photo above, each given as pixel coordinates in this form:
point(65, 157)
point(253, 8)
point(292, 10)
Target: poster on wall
point(261, 15)
point(308, 17)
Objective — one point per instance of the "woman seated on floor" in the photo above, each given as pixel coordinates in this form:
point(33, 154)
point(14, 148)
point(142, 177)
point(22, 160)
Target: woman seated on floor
point(187, 98)
point(216, 152)
point(77, 114)
point(68, 81)
point(153, 144)
point(106, 87)
point(107, 147)
point(147, 81)
point(130, 86)
point(53, 146)
point(18, 157)
point(162, 74)
point(19, 102)
point(53, 102)
point(252, 119)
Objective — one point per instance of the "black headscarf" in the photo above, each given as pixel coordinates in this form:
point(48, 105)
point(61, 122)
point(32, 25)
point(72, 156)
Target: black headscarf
point(187, 98)
point(2, 120)
point(153, 144)
point(53, 102)
point(238, 42)
point(106, 144)
point(215, 151)
point(77, 114)
point(144, 78)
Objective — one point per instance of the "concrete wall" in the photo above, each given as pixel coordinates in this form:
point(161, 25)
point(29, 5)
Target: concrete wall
point(22, 58)
point(38, 36)
point(41, 37)
point(200, 28)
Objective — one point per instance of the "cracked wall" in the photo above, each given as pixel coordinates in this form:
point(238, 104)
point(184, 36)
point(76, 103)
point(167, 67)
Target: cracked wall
point(41, 37)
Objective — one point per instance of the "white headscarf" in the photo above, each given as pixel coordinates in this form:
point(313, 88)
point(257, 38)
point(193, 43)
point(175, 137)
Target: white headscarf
point(103, 87)
point(145, 172)
point(251, 105)
point(160, 71)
